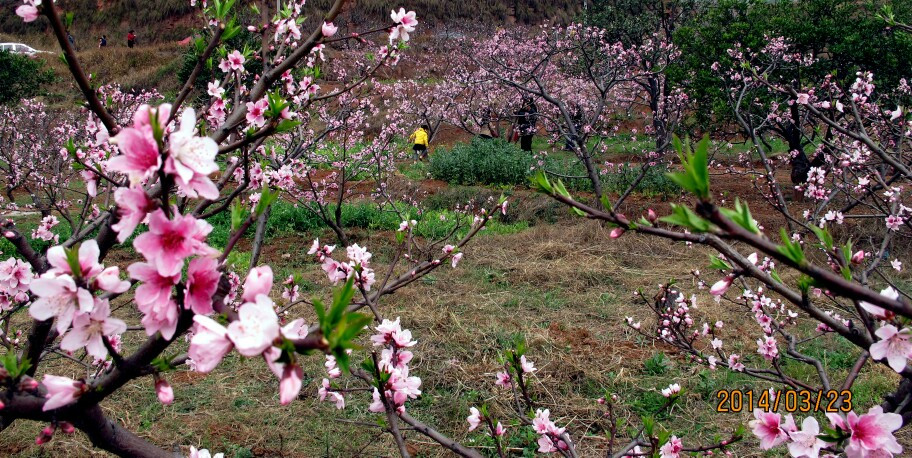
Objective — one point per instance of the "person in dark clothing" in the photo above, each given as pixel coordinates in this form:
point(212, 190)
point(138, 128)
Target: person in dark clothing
point(131, 39)
point(526, 119)
point(71, 40)
point(103, 41)
point(488, 126)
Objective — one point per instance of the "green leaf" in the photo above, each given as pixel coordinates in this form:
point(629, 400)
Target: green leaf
point(776, 277)
point(846, 272)
point(648, 426)
point(355, 324)
point(320, 310)
point(717, 263)
point(14, 367)
point(695, 177)
point(847, 251)
point(805, 283)
point(540, 182)
point(368, 365)
point(683, 216)
point(238, 215)
point(267, 197)
point(791, 249)
point(825, 238)
point(287, 125)
point(561, 190)
point(741, 215)
point(72, 257)
point(341, 298)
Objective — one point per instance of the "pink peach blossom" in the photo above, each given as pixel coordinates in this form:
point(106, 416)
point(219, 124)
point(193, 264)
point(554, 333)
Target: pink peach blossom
point(474, 419)
point(59, 297)
point(256, 328)
point(769, 427)
point(202, 281)
point(109, 280)
point(61, 391)
point(132, 207)
point(28, 13)
point(164, 391)
point(805, 442)
point(894, 345)
point(527, 366)
point(329, 29)
point(153, 299)
point(672, 448)
point(259, 281)
point(88, 254)
point(256, 112)
point(209, 344)
point(721, 286)
point(872, 434)
point(170, 241)
point(140, 156)
point(89, 330)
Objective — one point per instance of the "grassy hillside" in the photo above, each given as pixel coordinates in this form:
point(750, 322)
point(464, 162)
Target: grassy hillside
point(171, 20)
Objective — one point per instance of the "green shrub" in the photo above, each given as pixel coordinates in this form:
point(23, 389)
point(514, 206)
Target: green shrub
point(656, 182)
point(616, 181)
point(493, 162)
point(22, 77)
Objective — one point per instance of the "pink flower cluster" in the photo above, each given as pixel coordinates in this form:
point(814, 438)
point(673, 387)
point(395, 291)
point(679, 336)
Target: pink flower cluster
point(869, 435)
point(15, 278)
point(166, 246)
point(66, 295)
point(43, 231)
point(394, 360)
point(358, 265)
point(255, 332)
point(551, 440)
point(405, 24)
point(189, 159)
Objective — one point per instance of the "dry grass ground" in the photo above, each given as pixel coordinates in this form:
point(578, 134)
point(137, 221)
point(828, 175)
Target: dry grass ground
point(564, 287)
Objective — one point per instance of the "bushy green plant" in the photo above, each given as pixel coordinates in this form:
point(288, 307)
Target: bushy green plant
point(493, 162)
point(655, 183)
point(22, 77)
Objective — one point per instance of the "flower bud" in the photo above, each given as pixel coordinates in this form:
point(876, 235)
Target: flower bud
point(28, 384)
point(45, 435)
point(616, 232)
point(651, 216)
point(721, 286)
point(67, 427)
point(164, 391)
point(858, 257)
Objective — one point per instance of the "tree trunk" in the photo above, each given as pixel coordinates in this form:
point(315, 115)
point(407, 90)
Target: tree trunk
point(259, 237)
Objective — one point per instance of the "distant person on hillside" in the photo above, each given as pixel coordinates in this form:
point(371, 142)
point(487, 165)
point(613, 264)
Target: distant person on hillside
point(131, 39)
point(489, 127)
point(420, 139)
point(71, 40)
point(526, 120)
point(103, 41)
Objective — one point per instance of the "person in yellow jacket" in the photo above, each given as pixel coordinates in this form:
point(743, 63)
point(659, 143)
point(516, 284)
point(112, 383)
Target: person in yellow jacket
point(420, 139)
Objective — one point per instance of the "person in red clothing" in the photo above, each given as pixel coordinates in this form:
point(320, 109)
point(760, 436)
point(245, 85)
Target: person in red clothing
point(131, 39)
